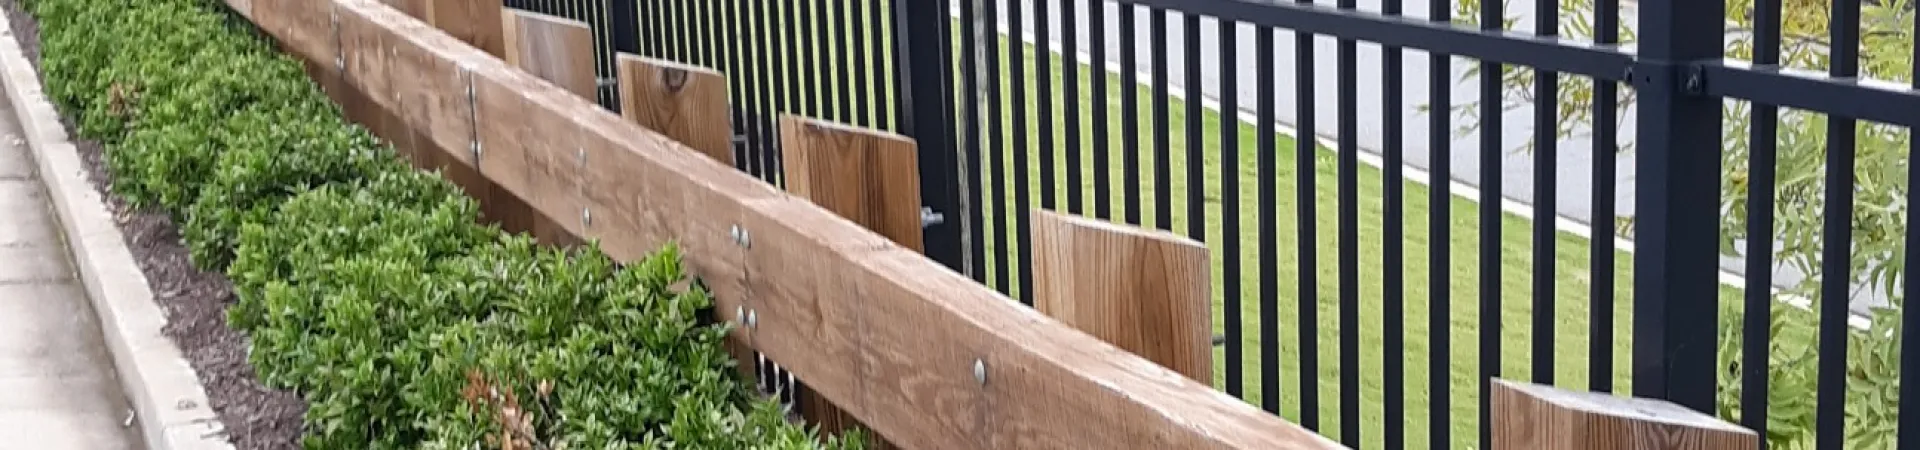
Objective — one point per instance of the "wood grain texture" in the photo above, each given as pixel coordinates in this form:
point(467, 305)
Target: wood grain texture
point(303, 27)
point(552, 48)
point(685, 102)
point(900, 348)
point(868, 176)
point(1531, 416)
point(1144, 291)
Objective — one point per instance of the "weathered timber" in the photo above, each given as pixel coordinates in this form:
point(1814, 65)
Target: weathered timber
point(684, 102)
point(1535, 417)
point(1145, 291)
point(894, 332)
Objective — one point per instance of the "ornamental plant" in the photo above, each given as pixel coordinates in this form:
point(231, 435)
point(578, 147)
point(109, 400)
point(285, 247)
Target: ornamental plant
point(370, 288)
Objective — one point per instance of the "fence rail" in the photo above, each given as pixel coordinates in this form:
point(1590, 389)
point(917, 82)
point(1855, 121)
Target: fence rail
point(1011, 111)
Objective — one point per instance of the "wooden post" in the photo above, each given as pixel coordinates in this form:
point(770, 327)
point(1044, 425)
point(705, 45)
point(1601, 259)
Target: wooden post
point(869, 177)
point(556, 49)
point(1531, 416)
point(687, 103)
point(560, 51)
point(1144, 291)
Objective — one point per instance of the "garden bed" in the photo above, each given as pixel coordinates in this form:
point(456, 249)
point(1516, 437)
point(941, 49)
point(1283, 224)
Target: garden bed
point(292, 252)
point(256, 417)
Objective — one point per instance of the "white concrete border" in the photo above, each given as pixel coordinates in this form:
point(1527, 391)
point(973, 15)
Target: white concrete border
point(169, 402)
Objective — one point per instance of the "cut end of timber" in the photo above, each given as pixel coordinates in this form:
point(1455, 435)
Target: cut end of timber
point(1630, 408)
point(1043, 216)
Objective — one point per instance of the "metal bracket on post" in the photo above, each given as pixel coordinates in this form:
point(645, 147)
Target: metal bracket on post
point(1693, 80)
point(473, 117)
point(929, 217)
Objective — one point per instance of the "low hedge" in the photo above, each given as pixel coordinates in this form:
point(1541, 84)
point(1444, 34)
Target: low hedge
point(369, 287)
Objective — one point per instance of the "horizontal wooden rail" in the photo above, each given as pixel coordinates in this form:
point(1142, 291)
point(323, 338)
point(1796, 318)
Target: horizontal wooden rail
point(925, 356)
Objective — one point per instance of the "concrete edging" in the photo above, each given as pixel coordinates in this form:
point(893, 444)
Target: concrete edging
point(170, 404)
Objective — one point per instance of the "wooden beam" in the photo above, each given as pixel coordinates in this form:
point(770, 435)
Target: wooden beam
point(1142, 290)
point(930, 358)
point(685, 102)
point(1531, 416)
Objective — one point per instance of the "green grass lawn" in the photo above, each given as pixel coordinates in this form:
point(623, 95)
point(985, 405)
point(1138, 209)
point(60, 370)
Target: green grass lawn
point(1571, 273)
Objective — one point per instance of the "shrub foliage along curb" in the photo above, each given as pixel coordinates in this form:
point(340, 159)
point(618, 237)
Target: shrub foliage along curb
point(369, 287)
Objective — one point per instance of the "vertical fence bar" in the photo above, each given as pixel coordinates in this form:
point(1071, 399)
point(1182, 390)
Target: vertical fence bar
point(1097, 74)
point(1043, 99)
point(1230, 202)
point(1196, 136)
point(810, 59)
point(1492, 16)
point(1393, 302)
point(1908, 433)
point(1546, 150)
point(737, 82)
point(769, 49)
point(710, 48)
point(996, 153)
point(1129, 113)
point(1762, 149)
point(861, 100)
point(624, 31)
point(1606, 144)
point(843, 59)
point(1022, 192)
point(1349, 187)
point(1162, 130)
point(970, 113)
point(1675, 315)
point(1440, 236)
point(1836, 236)
point(1070, 96)
point(820, 67)
point(1268, 199)
point(1305, 150)
point(884, 91)
point(923, 41)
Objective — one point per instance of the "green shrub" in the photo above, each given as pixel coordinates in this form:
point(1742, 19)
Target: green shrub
point(369, 287)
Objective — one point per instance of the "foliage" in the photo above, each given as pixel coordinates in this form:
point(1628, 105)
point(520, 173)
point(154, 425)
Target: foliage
point(369, 287)
point(1878, 214)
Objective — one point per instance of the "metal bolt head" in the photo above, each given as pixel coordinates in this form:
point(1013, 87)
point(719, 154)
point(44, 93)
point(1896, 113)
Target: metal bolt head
point(980, 371)
point(740, 313)
point(586, 216)
point(753, 319)
point(740, 236)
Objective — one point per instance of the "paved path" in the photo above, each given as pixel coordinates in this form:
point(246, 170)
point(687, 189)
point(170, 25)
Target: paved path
point(57, 385)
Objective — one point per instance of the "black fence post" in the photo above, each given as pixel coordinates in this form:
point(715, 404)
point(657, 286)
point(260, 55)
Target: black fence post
point(625, 25)
point(1675, 310)
point(923, 74)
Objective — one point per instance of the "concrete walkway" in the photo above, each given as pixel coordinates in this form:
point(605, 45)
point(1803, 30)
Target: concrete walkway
point(57, 383)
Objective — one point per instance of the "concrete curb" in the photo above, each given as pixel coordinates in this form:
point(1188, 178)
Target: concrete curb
point(169, 403)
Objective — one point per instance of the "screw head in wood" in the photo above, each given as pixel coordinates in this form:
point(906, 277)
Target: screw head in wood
point(980, 371)
point(740, 236)
point(753, 319)
point(586, 216)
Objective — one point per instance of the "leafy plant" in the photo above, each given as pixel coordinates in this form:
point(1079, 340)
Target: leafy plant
point(1877, 215)
point(369, 287)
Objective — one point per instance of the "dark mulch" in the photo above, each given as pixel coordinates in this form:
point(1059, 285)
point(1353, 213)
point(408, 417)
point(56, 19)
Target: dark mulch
point(256, 417)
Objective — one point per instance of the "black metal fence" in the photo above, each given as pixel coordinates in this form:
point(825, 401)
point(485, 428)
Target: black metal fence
point(1434, 278)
